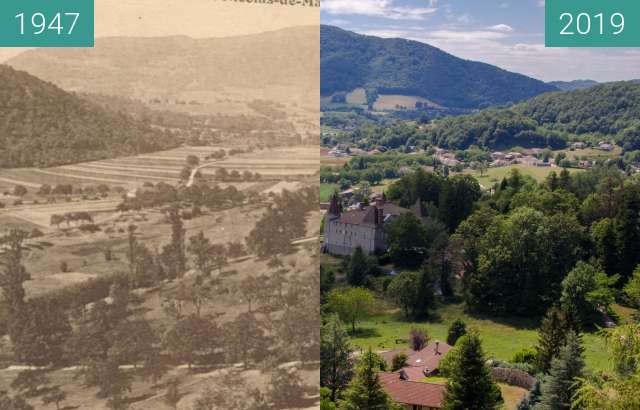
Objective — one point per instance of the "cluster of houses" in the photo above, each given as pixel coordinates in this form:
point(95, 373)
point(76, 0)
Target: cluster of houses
point(502, 159)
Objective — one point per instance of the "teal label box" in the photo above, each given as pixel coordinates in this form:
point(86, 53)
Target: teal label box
point(592, 23)
point(46, 23)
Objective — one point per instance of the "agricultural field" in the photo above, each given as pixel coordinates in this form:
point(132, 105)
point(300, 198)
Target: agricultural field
point(494, 175)
point(165, 166)
point(63, 255)
point(391, 102)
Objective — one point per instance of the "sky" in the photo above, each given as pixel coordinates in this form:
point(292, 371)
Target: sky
point(194, 18)
point(506, 33)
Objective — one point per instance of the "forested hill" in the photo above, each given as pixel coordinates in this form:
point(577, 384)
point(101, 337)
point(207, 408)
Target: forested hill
point(399, 66)
point(607, 111)
point(573, 85)
point(42, 125)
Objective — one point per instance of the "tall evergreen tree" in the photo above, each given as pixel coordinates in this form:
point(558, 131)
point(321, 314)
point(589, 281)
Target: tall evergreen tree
point(174, 253)
point(629, 231)
point(366, 391)
point(470, 386)
point(357, 268)
point(551, 337)
point(336, 364)
point(558, 388)
point(12, 277)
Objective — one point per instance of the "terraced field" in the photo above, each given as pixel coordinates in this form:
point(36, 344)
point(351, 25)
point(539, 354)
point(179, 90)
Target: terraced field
point(131, 172)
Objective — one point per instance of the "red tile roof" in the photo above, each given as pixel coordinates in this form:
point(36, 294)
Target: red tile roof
point(414, 373)
point(412, 393)
point(426, 358)
point(430, 356)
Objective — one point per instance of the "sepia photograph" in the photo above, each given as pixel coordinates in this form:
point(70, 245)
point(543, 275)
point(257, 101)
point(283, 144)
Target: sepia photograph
point(159, 221)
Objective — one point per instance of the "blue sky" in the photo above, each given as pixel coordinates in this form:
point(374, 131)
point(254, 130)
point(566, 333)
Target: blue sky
point(507, 33)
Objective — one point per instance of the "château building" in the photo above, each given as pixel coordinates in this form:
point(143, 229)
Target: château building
point(344, 231)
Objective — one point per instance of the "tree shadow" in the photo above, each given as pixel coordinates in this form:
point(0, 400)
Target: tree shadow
point(364, 332)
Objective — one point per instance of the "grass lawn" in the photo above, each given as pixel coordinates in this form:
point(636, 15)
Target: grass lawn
point(326, 190)
point(494, 175)
point(501, 338)
point(434, 380)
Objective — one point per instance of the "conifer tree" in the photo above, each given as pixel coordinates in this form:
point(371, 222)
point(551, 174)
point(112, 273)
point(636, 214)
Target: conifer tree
point(336, 365)
point(470, 386)
point(558, 388)
point(366, 391)
point(551, 337)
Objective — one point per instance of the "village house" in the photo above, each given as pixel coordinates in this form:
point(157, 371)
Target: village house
point(605, 146)
point(422, 363)
point(362, 227)
point(406, 386)
point(412, 395)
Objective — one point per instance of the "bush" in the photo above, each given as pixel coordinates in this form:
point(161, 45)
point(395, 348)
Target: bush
point(64, 267)
point(526, 355)
point(399, 361)
point(457, 329)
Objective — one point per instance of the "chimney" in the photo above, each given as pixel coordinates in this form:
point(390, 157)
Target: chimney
point(379, 216)
point(403, 375)
point(437, 347)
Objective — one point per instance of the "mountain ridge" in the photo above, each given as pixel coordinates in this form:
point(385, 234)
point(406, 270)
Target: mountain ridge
point(180, 67)
point(43, 125)
point(400, 66)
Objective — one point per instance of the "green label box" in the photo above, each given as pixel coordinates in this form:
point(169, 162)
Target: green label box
point(592, 23)
point(46, 23)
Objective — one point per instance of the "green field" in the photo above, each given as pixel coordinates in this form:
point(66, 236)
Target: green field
point(493, 175)
point(501, 338)
point(326, 190)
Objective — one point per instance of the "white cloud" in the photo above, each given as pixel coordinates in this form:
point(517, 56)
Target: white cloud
point(502, 27)
point(465, 36)
point(464, 19)
point(377, 8)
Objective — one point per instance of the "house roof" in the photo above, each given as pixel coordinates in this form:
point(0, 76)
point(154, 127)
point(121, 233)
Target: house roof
point(425, 359)
point(412, 393)
point(413, 373)
point(430, 356)
point(367, 216)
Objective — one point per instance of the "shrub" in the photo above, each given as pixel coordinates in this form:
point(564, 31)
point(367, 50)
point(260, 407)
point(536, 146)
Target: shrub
point(526, 355)
point(64, 267)
point(399, 361)
point(457, 329)
point(418, 339)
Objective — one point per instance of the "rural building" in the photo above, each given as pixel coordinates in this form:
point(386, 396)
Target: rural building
point(363, 226)
point(422, 363)
point(412, 395)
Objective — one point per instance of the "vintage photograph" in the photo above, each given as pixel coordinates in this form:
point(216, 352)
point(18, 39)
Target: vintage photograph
point(159, 222)
point(481, 207)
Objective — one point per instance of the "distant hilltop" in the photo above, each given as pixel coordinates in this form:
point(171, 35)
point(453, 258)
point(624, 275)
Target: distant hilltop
point(351, 61)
